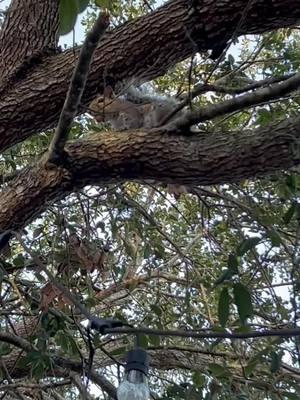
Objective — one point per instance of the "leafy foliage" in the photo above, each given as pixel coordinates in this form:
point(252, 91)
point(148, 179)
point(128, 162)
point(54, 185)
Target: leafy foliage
point(216, 258)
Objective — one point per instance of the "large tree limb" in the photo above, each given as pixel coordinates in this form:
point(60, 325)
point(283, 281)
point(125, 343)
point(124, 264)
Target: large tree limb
point(153, 155)
point(165, 359)
point(34, 104)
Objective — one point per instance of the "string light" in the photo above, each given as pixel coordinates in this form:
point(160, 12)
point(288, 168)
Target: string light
point(135, 383)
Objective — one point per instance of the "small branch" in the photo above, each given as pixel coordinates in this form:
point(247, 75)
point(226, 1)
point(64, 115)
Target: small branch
point(56, 395)
point(95, 377)
point(28, 385)
point(84, 394)
point(238, 103)
point(16, 341)
point(217, 87)
point(207, 335)
point(151, 220)
point(76, 88)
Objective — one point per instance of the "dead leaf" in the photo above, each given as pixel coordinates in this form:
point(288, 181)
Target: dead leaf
point(49, 292)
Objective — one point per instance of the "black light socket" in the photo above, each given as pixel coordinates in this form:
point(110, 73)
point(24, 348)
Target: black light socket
point(137, 359)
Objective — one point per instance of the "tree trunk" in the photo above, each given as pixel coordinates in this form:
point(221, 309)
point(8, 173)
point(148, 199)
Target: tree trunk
point(30, 31)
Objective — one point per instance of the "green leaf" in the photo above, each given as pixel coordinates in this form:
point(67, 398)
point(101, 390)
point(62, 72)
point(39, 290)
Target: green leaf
point(198, 379)
point(223, 307)
point(226, 276)
point(154, 340)
point(297, 207)
point(231, 59)
point(156, 309)
point(218, 370)
point(147, 251)
point(233, 263)
point(231, 271)
point(247, 245)
point(4, 349)
point(66, 342)
point(73, 348)
point(62, 340)
point(292, 183)
point(68, 10)
point(275, 362)
point(19, 261)
point(119, 351)
point(275, 238)
point(2, 273)
point(37, 370)
point(242, 299)
point(143, 341)
point(242, 396)
point(108, 4)
point(289, 214)
point(291, 396)
point(37, 232)
point(249, 368)
point(82, 5)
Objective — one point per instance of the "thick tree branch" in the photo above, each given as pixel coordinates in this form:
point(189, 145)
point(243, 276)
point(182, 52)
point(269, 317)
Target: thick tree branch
point(76, 88)
point(175, 358)
point(153, 155)
point(34, 104)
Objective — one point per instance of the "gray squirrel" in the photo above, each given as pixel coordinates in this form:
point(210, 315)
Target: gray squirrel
point(137, 109)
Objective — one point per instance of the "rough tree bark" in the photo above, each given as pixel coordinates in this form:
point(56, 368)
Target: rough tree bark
point(23, 41)
point(33, 104)
point(200, 160)
point(183, 357)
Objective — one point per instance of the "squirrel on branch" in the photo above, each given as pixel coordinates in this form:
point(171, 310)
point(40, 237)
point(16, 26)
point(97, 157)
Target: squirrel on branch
point(136, 110)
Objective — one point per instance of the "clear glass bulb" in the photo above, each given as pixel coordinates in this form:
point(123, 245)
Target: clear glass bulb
point(134, 386)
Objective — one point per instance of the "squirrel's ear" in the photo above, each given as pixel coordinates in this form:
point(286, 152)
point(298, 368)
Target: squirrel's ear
point(146, 108)
point(108, 92)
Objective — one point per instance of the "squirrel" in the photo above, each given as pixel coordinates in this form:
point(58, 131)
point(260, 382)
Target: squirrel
point(136, 110)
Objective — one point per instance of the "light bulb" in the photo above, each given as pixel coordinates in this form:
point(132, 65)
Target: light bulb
point(135, 383)
point(134, 387)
